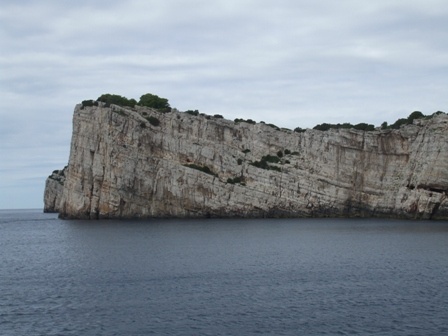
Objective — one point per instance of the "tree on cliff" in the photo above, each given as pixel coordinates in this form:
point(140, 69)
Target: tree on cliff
point(415, 115)
point(407, 121)
point(116, 100)
point(156, 102)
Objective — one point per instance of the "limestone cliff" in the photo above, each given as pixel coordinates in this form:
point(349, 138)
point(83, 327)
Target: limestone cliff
point(53, 190)
point(137, 162)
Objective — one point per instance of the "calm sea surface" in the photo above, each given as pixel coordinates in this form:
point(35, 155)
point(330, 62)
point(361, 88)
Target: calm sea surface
point(222, 277)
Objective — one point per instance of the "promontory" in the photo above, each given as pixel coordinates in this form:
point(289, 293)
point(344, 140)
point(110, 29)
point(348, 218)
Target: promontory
point(133, 161)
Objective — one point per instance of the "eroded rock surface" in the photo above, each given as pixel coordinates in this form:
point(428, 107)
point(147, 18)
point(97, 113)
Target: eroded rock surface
point(122, 166)
point(53, 190)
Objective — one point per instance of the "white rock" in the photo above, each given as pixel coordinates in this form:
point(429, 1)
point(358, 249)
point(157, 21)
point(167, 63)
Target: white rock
point(121, 166)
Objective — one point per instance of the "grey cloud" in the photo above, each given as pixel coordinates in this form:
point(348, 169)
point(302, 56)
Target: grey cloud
point(292, 63)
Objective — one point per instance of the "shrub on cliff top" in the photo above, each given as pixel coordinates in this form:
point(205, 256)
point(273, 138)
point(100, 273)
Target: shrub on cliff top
point(274, 127)
point(369, 127)
point(407, 121)
point(116, 100)
point(360, 126)
point(195, 112)
point(155, 102)
point(87, 103)
point(249, 121)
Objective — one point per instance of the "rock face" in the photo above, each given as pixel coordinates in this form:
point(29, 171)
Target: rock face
point(127, 163)
point(53, 190)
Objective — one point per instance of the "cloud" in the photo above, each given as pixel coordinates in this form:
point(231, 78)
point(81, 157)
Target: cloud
point(291, 63)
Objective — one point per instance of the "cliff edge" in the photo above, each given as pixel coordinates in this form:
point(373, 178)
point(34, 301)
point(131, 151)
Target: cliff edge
point(138, 163)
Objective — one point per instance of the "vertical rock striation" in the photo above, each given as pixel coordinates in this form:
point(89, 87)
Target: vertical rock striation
point(124, 164)
point(53, 190)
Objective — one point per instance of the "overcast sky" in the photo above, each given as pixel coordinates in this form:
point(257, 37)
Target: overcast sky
point(288, 62)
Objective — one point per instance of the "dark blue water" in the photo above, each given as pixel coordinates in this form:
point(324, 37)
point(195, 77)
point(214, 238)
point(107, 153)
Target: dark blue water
point(222, 277)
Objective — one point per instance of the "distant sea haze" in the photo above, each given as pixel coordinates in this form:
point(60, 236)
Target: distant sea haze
point(222, 277)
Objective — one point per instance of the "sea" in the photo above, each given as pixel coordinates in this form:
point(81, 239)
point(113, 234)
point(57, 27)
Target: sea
point(221, 276)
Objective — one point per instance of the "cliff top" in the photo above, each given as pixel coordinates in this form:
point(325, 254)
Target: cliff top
point(161, 105)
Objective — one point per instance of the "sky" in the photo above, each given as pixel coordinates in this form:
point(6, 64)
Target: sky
point(293, 63)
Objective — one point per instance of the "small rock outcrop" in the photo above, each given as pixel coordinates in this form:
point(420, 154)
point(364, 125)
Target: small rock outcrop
point(140, 163)
point(53, 190)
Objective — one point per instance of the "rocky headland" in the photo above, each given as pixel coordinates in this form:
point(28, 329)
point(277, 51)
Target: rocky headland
point(138, 162)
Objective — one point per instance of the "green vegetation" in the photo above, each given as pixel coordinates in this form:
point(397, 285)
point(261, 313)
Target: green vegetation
point(109, 99)
point(264, 162)
point(271, 158)
point(87, 103)
point(204, 169)
point(148, 100)
point(153, 120)
point(162, 105)
point(195, 112)
point(249, 121)
point(368, 127)
point(287, 152)
point(240, 162)
point(360, 126)
point(405, 121)
point(155, 102)
point(274, 127)
point(299, 130)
